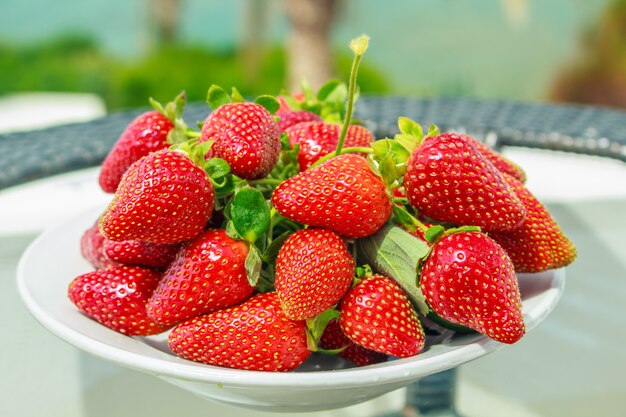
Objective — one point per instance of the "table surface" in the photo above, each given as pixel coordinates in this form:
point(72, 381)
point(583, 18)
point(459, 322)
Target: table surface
point(570, 365)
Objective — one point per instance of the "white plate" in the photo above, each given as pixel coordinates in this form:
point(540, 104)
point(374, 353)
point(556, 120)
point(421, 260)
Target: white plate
point(54, 259)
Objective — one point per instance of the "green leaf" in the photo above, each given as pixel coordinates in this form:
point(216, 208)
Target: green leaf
point(326, 89)
point(249, 213)
point(216, 168)
point(409, 127)
point(270, 103)
point(434, 233)
point(271, 252)
point(307, 90)
point(253, 266)
point(217, 97)
point(395, 253)
point(459, 328)
point(339, 96)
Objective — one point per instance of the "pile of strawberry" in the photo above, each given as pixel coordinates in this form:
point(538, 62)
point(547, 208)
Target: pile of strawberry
point(275, 231)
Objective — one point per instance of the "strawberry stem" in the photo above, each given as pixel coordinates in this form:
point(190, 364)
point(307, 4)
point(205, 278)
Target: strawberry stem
point(409, 221)
point(462, 229)
point(358, 46)
point(354, 149)
point(266, 181)
point(315, 327)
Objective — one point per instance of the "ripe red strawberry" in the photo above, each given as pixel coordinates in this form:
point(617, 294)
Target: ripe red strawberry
point(134, 252)
point(377, 315)
point(333, 338)
point(163, 198)
point(246, 136)
point(289, 118)
point(208, 274)
point(92, 248)
point(449, 180)
point(539, 244)
point(317, 139)
point(147, 133)
point(116, 297)
point(255, 335)
point(469, 280)
point(313, 271)
point(343, 194)
point(499, 161)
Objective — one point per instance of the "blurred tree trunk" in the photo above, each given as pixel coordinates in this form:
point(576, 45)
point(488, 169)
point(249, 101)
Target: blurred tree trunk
point(164, 18)
point(309, 50)
point(255, 19)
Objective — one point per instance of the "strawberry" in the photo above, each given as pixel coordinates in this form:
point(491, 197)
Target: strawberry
point(502, 163)
point(116, 297)
point(255, 335)
point(317, 139)
point(246, 136)
point(313, 271)
point(134, 252)
point(377, 315)
point(333, 338)
point(468, 279)
point(539, 244)
point(343, 194)
point(449, 180)
point(162, 198)
point(92, 248)
point(208, 274)
point(289, 118)
point(147, 133)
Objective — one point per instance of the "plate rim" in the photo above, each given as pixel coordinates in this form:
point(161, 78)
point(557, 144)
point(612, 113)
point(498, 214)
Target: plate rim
point(388, 372)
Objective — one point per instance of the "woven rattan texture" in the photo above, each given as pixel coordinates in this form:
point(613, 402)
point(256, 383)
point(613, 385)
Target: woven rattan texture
point(26, 156)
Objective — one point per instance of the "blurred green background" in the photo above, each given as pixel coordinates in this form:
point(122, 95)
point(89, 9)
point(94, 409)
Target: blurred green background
point(127, 50)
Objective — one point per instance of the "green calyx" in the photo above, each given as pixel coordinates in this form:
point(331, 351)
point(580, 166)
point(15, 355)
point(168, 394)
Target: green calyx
point(217, 97)
point(329, 102)
point(173, 110)
point(217, 169)
point(390, 156)
point(411, 133)
point(315, 329)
